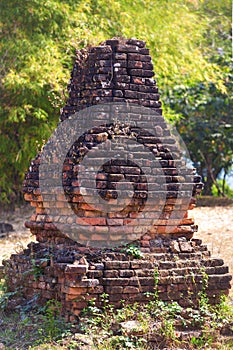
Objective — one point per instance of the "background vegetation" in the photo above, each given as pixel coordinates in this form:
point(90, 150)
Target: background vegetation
point(190, 43)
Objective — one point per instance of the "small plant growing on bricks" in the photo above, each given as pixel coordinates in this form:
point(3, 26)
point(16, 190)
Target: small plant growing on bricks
point(133, 251)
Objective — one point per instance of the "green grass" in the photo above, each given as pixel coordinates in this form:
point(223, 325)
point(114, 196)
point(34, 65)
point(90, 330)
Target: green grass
point(37, 328)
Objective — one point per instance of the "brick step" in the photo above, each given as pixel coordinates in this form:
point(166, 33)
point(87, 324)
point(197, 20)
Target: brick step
point(222, 279)
point(177, 257)
point(212, 262)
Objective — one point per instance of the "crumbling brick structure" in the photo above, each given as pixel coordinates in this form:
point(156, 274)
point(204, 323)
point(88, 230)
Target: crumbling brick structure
point(117, 71)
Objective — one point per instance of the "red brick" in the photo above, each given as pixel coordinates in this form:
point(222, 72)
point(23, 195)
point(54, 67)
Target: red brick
point(162, 289)
point(118, 237)
point(82, 221)
point(40, 211)
point(119, 215)
point(101, 229)
point(96, 221)
point(74, 290)
point(115, 222)
point(96, 237)
point(85, 206)
point(187, 221)
point(28, 197)
point(76, 269)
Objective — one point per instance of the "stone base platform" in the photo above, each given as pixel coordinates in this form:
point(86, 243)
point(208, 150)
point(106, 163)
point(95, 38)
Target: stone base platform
point(176, 269)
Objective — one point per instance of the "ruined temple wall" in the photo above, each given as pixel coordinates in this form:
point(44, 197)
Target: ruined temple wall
point(117, 71)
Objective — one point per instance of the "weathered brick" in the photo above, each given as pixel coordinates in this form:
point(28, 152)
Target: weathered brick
point(115, 281)
point(126, 273)
point(146, 289)
point(135, 64)
point(111, 273)
point(138, 264)
point(96, 290)
point(130, 289)
point(120, 56)
point(167, 265)
point(144, 273)
point(212, 262)
point(114, 289)
point(115, 222)
point(76, 269)
point(146, 281)
point(127, 48)
point(73, 290)
point(185, 247)
point(95, 274)
point(219, 279)
point(117, 265)
point(217, 270)
point(91, 282)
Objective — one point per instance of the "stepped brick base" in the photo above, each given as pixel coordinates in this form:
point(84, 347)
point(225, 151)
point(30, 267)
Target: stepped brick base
point(73, 276)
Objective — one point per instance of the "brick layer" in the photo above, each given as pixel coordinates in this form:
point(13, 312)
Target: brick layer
point(73, 276)
point(118, 71)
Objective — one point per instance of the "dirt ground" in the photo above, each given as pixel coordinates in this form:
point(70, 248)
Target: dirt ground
point(215, 229)
point(18, 239)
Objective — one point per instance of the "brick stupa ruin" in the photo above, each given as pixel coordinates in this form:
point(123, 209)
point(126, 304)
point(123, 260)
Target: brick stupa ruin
point(120, 72)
